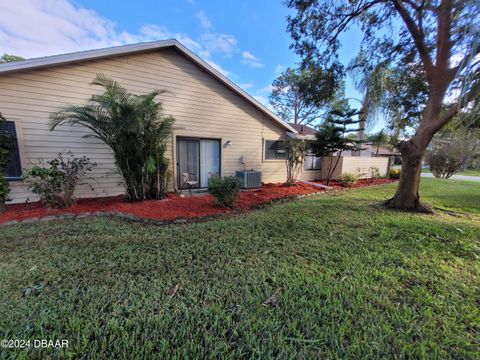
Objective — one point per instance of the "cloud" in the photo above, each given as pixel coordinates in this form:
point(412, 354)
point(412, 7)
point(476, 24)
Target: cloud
point(205, 22)
point(224, 44)
point(248, 85)
point(51, 27)
point(279, 69)
point(251, 60)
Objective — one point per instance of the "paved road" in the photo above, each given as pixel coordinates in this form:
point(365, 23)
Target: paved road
point(455, 177)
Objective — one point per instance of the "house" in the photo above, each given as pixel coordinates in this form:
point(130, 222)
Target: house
point(219, 128)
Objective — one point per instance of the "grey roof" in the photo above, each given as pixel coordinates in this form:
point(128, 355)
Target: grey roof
point(303, 129)
point(62, 59)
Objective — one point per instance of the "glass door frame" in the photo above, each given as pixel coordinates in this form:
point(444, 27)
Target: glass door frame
point(177, 158)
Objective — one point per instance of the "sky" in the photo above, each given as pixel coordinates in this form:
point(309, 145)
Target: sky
point(246, 40)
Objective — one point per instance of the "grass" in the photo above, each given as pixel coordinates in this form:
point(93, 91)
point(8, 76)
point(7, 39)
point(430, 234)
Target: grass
point(333, 276)
point(467, 172)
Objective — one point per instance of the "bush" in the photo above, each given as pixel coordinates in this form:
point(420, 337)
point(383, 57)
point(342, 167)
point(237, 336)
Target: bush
point(445, 160)
point(374, 173)
point(55, 184)
point(225, 190)
point(394, 174)
point(348, 179)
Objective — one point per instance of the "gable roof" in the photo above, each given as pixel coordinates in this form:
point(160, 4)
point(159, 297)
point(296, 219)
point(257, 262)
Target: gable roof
point(303, 129)
point(62, 59)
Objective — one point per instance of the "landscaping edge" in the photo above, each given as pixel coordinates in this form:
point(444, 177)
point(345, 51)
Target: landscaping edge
point(180, 220)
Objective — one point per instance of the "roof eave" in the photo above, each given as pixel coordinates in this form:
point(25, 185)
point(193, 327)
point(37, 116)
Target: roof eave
point(64, 59)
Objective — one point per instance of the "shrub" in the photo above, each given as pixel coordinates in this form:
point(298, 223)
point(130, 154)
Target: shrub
point(374, 173)
point(55, 184)
point(134, 128)
point(445, 160)
point(6, 142)
point(225, 189)
point(394, 174)
point(348, 179)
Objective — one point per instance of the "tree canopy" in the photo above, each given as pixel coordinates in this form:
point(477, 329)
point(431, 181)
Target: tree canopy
point(10, 58)
point(432, 47)
point(299, 95)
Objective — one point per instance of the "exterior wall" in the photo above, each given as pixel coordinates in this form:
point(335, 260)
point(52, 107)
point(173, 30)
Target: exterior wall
point(355, 164)
point(201, 105)
point(347, 164)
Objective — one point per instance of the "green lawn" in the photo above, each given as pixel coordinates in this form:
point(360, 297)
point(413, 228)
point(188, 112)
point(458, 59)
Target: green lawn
point(331, 276)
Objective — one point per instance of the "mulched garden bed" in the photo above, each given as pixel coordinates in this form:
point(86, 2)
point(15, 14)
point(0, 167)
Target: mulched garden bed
point(360, 183)
point(172, 208)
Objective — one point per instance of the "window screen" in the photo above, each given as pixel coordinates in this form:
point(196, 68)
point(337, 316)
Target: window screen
point(13, 170)
point(274, 150)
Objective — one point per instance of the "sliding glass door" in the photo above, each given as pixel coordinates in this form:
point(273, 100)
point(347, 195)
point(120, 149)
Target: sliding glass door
point(197, 159)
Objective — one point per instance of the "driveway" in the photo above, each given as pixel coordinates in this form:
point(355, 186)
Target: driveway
point(455, 177)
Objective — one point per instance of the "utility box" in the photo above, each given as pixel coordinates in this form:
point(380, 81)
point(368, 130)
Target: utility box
point(251, 179)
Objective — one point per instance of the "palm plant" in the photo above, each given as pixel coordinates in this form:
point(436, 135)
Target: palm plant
point(378, 139)
point(373, 81)
point(134, 129)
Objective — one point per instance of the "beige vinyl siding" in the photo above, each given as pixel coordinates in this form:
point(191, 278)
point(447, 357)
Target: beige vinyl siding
point(201, 105)
point(348, 164)
point(361, 164)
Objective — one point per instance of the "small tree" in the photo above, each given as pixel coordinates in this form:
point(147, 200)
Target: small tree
point(332, 137)
point(6, 142)
point(295, 150)
point(132, 126)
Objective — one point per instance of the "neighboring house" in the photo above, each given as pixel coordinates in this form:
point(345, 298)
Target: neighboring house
point(219, 128)
point(350, 162)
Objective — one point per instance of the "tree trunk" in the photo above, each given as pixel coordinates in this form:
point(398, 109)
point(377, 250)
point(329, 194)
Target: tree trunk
point(407, 196)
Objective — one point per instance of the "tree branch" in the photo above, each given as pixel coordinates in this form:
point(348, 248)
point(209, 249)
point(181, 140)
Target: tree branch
point(349, 17)
point(444, 44)
point(418, 37)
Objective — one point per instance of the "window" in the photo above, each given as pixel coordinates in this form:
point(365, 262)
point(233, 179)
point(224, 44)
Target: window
point(275, 150)
point(310, 161)
point(13, 170)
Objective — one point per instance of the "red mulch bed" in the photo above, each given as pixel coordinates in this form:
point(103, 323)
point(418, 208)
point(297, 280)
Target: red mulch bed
point(173, 207)
point(168, 209)
point(360, 183)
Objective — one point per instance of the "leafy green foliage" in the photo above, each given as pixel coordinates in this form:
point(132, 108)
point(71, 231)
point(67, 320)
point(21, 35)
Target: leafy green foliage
point(432, 48)
point(348, 179)
point(225, 189)
point(132, 126)
point(326, 277)
point(373, 173)
point(332, 137)
point(295, 151)
point(6, 142)
point(10, 58)
point(55, 184)
point(291, 96)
